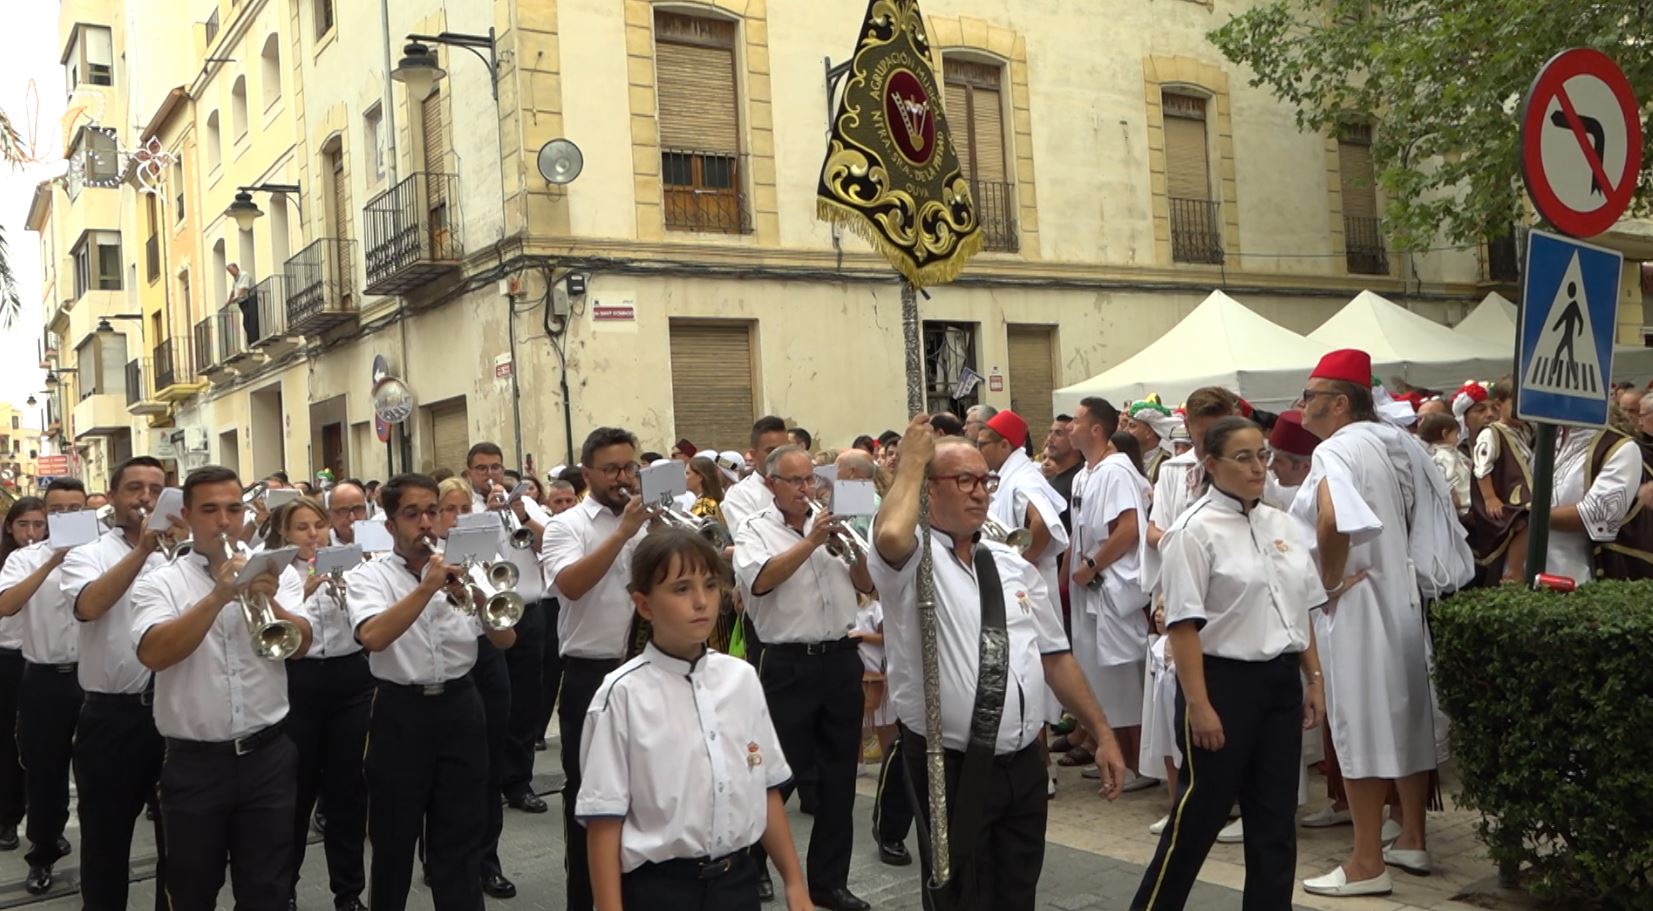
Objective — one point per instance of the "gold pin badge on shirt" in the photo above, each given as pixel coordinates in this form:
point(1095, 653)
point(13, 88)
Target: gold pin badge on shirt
point(1027, 606)
point(1280, 546)
point(754, 757)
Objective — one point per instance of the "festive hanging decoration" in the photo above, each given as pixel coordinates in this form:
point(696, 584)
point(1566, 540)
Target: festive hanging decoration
point(149, 164)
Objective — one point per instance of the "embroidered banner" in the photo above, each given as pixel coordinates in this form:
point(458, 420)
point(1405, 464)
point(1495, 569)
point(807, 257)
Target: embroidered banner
point(892, 173)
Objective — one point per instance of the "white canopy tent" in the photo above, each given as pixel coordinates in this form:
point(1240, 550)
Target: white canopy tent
point(1222, 343)
point(1495, 320)
point(1415, 348)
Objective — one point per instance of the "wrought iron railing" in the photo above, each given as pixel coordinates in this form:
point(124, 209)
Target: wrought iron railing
point(172, 364)
point(134, 380)
point(232, 341)
point(321, 285)
point(703, 191)
point(269, 319)
point(412, 233)
point(1504, 258)
point(1196, 231)
point(206, 354)
point(996, 212)
point(1363, 245)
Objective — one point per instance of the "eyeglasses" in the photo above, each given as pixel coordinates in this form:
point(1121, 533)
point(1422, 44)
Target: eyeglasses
point(614, 471)
point(355, 511)
point(967, 483)
point(1248, 460)
point(807, 480)
point(1311, 393)
point(413, 514)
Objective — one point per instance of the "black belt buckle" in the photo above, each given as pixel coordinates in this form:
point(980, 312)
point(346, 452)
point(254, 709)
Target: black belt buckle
point(432, 689)
point(248, 743)
point(63, 668)
point(816, 648)
point(147, 697)
point(712, 869)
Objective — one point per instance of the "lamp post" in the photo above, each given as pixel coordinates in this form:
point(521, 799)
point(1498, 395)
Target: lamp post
point(244, 211)
point(419, 70)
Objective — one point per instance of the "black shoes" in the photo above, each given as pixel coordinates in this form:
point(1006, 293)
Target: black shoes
point(350, 904)
point(838, 900)
point(495, 885)
point(539, 745)
point(894, 854)
point(63, 848)
point(319, 823)
point(39, 881)
point(766, 888)
point(8, 838)
point(528, 803)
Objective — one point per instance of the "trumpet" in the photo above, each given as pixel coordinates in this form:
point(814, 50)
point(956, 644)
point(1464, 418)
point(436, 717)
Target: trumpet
point(273, 638)
point(170, 546)
point(847, 544)
point(499, 611)
point(335, 587)
point(252, 492)
point(1019, 538)
point(713, 531)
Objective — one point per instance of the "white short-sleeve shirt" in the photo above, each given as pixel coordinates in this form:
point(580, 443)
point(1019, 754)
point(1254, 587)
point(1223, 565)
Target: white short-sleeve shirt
point(1033, 627)
point(51, 634)
point(745, 500)
point(815, 604)
point(440, 645)
point(332, 635)
point(684, 752)
point(1246, 580)
point(593, 626)
point(223, 690)
point(108, 653)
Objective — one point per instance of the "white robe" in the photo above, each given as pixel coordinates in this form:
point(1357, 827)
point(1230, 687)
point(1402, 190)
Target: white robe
point(1373, 646)
point(1022, 484)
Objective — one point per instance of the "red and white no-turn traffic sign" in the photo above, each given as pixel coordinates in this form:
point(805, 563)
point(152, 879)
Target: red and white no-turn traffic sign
point(1581, 142)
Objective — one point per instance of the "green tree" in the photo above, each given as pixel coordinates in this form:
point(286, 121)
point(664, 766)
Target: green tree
point(1441, 84)
point(11, 150)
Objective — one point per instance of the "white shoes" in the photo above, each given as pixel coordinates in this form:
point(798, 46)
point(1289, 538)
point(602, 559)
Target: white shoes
point(1327, 818)
point(1232, 834)
point(1158, 827)
point(1138, 783)
point(1391, 831)
point(1050, 787)
point(1413, 862)
point(1336, 883)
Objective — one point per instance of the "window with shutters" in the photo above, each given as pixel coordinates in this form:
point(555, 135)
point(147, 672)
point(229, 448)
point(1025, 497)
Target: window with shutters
point(1362, 230)
point(1032, 375)
point(712, 383)
point(701, 165)
point(215, 149)
point(238, 109)
point(324, 18)
point(339, 210)
point(90, 57)
point(97, 259)
point(1196, 222)
point(975, 119)
point(436, 186)
point(450, 434)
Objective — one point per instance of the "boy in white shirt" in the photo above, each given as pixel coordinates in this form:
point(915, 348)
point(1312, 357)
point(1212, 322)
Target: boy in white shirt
point(683, 768)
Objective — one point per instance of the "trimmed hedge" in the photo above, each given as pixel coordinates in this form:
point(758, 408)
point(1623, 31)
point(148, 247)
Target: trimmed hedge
point(1551, 700)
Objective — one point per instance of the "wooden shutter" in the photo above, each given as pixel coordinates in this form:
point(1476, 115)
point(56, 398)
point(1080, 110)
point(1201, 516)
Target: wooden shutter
point(1354, 165)
point(695, 79)
point(436, 142)
point(1187, 169)
point(1032, 377)
point(988, 129)
point(341, 193)
point(958, 125)
point(712, 383)
point(450, 436)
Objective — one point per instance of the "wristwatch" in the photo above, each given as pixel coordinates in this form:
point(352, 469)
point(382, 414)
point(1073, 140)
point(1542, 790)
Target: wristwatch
point(1090, 563)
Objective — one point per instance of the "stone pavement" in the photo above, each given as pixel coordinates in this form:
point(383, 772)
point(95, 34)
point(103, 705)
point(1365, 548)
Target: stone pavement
point(1093, 862)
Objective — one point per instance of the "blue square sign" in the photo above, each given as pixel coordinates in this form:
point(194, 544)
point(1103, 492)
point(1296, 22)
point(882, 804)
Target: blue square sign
point(1569, 311)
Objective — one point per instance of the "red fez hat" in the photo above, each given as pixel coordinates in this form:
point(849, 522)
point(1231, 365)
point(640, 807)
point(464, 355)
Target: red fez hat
point(1289, 436)
point(1348, 365)
point(687, 448)
point(1009, 424)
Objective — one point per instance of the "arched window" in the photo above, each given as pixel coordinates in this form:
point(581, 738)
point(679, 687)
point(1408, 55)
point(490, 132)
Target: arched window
point(271, 72)
point(215, 151)
point(238, 108)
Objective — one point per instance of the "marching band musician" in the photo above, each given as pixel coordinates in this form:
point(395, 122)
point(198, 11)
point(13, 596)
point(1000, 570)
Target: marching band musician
point(230, 778)
point(25, 524)
point(984, 593)
point(745, 499)
point(346, 505)
point(330, 693)
point(802, 600)
point(49, 697)
point(586, 556)
point(117, 761)
point(426, 763)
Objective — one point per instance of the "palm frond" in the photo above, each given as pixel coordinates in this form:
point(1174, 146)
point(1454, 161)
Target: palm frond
point(11, 307)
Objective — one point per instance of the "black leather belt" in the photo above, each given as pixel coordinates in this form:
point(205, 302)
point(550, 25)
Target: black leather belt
point(146, 697)
point(241, 746)
point(812, 648)
point(447, 687)
point(700, 868)
point(67, 668)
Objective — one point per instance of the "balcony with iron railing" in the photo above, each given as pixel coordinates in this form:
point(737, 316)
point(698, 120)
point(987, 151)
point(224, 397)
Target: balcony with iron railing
point(321, 292)
point(703, 191)
point(996, 213)
point(140, 388)
point(1196, 231)
point(412, 233)
point(1363, 245)
point(232, 340)
point(208, 358)
point(174, 370)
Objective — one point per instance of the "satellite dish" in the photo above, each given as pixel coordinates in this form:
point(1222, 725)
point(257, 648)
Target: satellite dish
point(560, 161)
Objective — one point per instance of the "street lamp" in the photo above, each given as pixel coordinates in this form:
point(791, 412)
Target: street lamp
point(418, 69)
point(244, 211)
point(104, 327)
point(52, 382)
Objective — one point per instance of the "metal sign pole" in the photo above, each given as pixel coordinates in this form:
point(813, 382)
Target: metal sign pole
point(1543, 482)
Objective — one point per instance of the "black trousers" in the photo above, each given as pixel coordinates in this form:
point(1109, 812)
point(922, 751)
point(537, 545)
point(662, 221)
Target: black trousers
point(329, 702)
point(1007, 850)
point(13, 797)
point(427, 772)
point(117, 767)
point(580, 679)
point(692, 885)
point(815, 702)
point(493, 684)
point(1260, 704)
point(220, 807)
point(892, 809)
point(48, 707)
point(551, 666)
point(526, 663)
point(249, 317)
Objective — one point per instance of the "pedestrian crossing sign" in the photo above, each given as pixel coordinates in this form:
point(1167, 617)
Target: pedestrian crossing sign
point(1569, 310)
